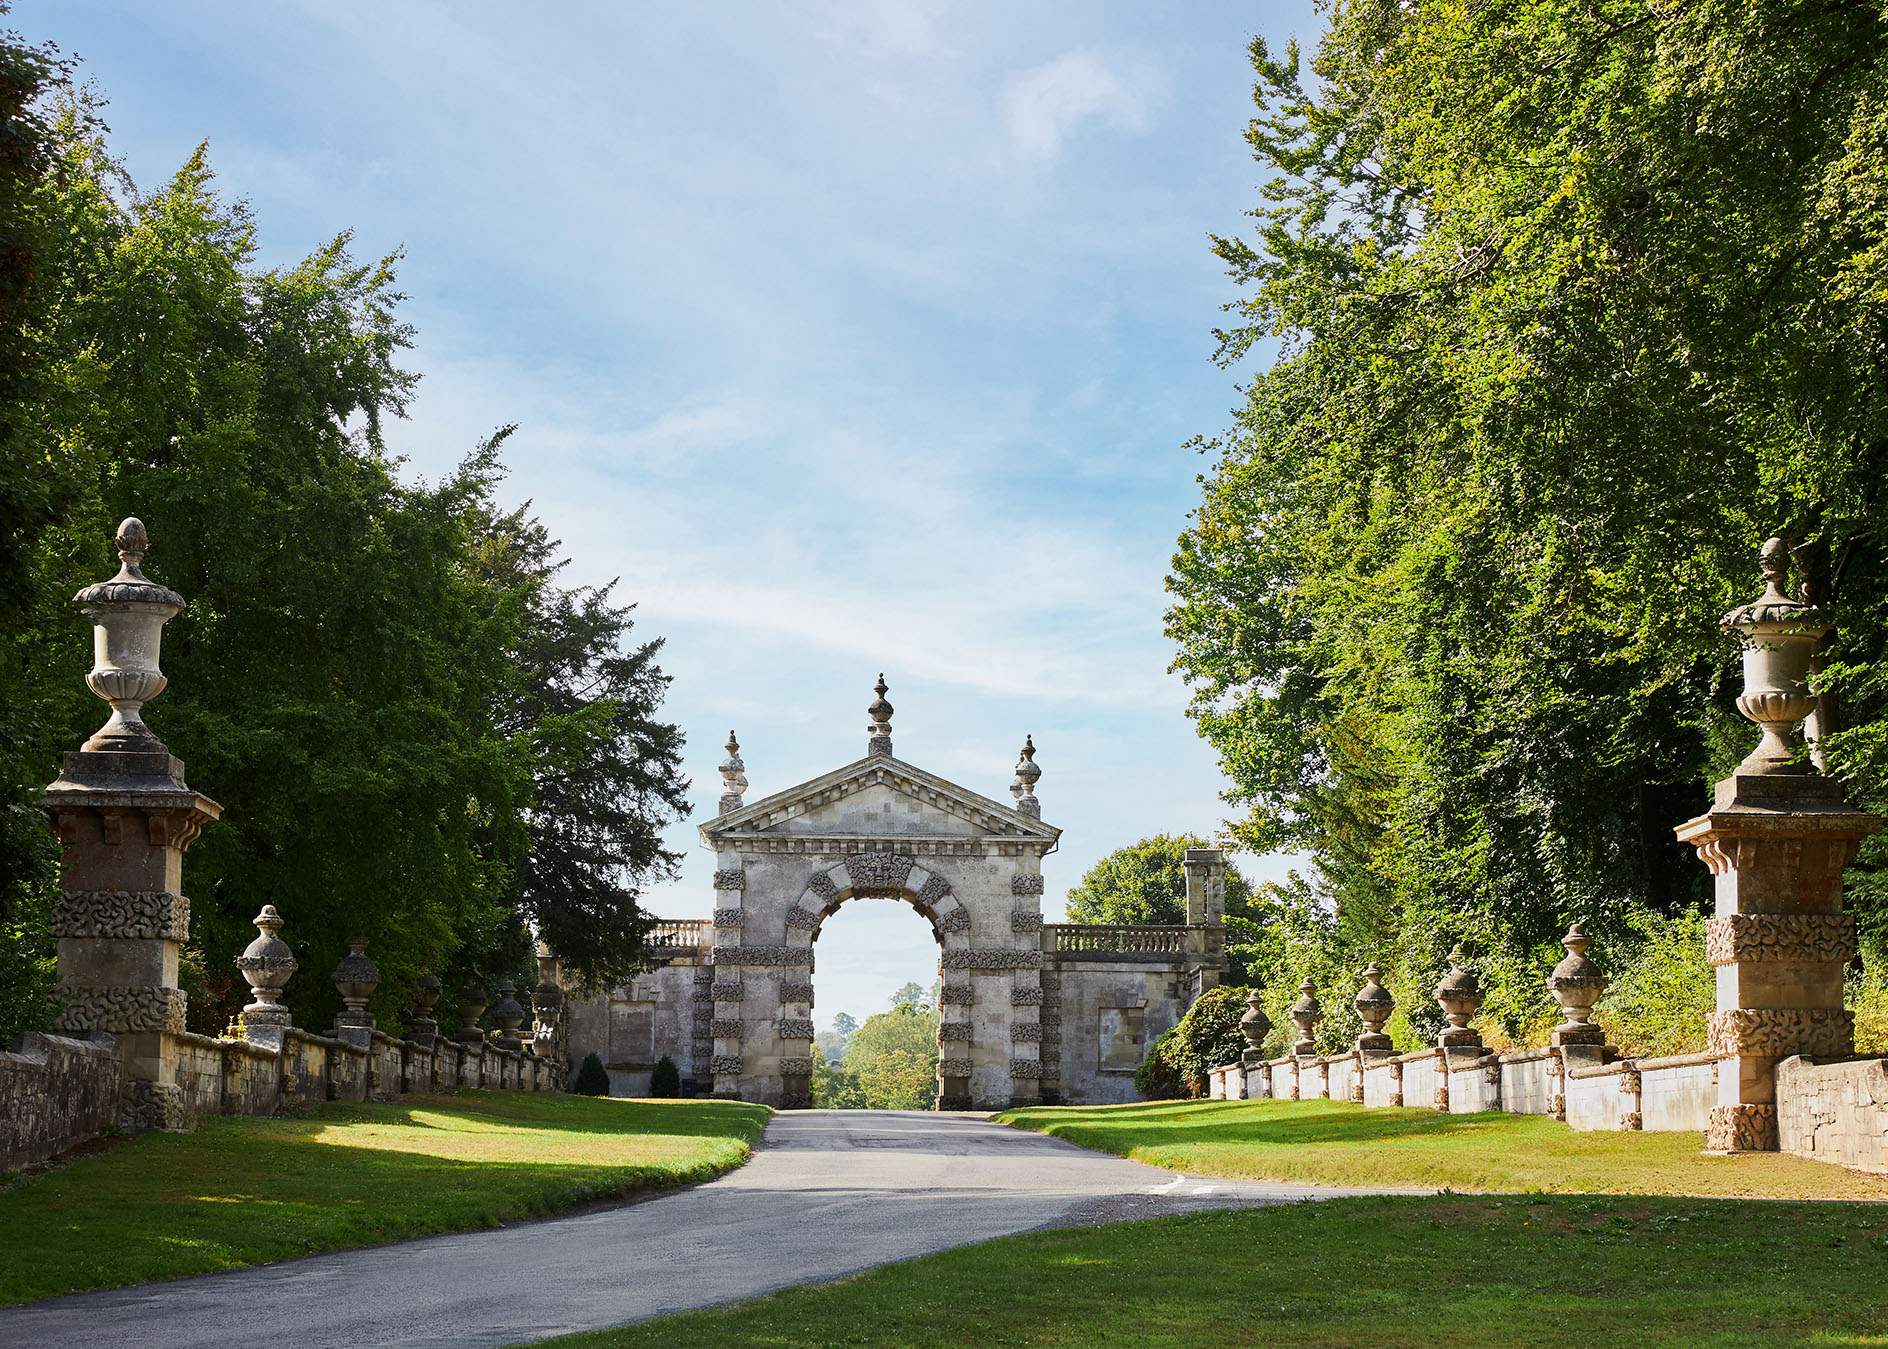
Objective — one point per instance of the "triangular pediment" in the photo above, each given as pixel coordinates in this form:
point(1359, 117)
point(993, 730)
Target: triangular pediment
point(878, 797)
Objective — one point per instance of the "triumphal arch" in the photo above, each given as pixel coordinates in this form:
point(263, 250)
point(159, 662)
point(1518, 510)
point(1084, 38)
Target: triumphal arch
point(732, 1004)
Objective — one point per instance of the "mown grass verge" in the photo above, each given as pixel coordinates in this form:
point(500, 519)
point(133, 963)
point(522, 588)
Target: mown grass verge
point(1337, 1143)
point(1389, 1273)
point(242, 1191)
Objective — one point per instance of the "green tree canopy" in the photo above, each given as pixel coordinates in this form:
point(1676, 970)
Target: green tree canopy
point(894, 1057)
point(415, 732)
point(1574, 305)
point(1145, 883)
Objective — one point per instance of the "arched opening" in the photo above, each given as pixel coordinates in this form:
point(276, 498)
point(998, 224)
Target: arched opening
point(877, 978)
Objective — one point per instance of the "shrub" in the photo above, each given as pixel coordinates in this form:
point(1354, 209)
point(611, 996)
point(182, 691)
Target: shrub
point(666, 1081)
point(1662, 992)
point(1207, 1037)
point(1157, 1079)
point(592, 1078)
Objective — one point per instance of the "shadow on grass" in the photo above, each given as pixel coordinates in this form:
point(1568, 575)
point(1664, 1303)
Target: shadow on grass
point(242, 1191)
point(1268, 1122)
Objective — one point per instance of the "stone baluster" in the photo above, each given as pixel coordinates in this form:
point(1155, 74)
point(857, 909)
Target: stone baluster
point(1577, 984)
point(1306, 1013)
point(124, 817)
point(1460, 994)
point(509, 1015)
point(879, 733)
point(1023, 786)
point(266, 965)
point(421, 1029)
point(733, 777)
point(355, 978)
point(1255, 1025)
point(472, 1003)
point(1374, 1004)
point(1777, 839)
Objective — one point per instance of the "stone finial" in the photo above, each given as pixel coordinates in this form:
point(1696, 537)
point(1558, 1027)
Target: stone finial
point(733, 777)
point(1577, 984)
point(426, 991)
point(128, 615)
point(547, 1001)
point(472, 1003)
point(1374, 1004)
point(509, 1014)
point(1306, 1013)
point(880, 731)
point(1255, 1025)
point(1460, 994)
point(355, 978)
point(266, 963)
point(1023, 787)
point(1778, 633)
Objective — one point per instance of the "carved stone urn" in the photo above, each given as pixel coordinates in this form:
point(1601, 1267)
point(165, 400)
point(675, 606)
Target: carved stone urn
point(1577, 984)
point(1374, 1004)
point(1255, 1025)
point(1779, 634)
point(420, 1027)
point(1460, 994)
point(733, 777)
point(1306, 1013)
point(128, 615)
point(509, 1014)
point(266, 963)
point(472, 1003)
point(355, 979)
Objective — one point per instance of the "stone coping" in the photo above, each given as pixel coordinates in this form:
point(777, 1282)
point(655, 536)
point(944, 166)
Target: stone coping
point(255, 1051)
point(1627, 1065)
point(36, 1046)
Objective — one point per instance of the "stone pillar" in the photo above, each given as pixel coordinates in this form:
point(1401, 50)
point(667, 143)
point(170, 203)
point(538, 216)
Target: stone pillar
point(1777, 838)
point(355, 978)
point(1306, 1013)
point(1206, 911)
point(550, 1037)
point(124, 817)
point(1374, 1004)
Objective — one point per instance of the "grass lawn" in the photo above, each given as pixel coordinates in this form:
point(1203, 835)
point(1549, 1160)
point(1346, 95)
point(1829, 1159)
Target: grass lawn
point(242, 1191)
point(1337, 1143)
point(1454, 1271)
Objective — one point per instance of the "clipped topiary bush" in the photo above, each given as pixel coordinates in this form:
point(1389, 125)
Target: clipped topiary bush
point(666, 1081)
point(592, 1078)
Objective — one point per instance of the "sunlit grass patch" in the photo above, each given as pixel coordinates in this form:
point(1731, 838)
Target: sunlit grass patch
point(1338, 1143)
point(244, 1191)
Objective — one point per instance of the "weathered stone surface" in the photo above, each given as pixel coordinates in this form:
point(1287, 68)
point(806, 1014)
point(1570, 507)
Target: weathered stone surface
point(1779, 936)
point(122, 1010)
point(956, 995)
point(1026, 1069)
point(879, 870)
point(934, 891)
point(1026, 923)
point(727, 990)
point(726, 1028)
point(760, 955)
point(802, 918)
point(954, 1030)
point(156, 915)
point(800, 990)
point(55, 1093)
point(1834, 1112)
point(796, 1067)
point(954, 1068)
point(794, 1028)
point(730, 918)
point(731, 878)
point(724, 1063)
point(1025, 1031)
point(822, 885)
point(1029, 883)
point(1781, 1031)
point(955, 921)
point(1742, 1128)
point(998, 959)
point(1026, 997)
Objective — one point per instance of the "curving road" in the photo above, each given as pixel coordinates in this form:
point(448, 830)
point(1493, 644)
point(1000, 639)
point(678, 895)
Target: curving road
point(828, 1193)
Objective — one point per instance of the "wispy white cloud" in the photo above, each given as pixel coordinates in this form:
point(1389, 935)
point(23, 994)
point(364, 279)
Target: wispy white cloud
point(1049, 103)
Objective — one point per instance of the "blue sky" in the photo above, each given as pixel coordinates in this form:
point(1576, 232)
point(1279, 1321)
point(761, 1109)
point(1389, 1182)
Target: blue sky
point(851, 336)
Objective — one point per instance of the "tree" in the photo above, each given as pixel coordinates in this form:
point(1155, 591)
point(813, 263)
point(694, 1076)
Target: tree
point(844, 1024)
point(593, 1079)
point(415, 733)
point(835, 1087)
point(894, 1056)
point(665, 1081)
point(911, 995)
point(1207, 1037)
point(1146, 883)
point(834, 1043)
point(1574, 305)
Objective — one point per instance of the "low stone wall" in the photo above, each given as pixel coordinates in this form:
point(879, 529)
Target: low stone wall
point(55, 1093)
point(1834, 1112)
point(1662, 1094)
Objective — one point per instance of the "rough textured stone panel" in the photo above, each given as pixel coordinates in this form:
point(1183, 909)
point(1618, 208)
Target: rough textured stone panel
point(953, 1067)
point(992, 960)
point(1025, 922)
point(726, 991)
point(730, 1028)
point(879, 870)
point(954, 1030)
point(957, 920)
point(1026, 1069)
point(1826, 937)
point(794, 1028)
point(123, 1010)
point(1781, 1030)
point(730, 917)
point(796, 1067)
point(934, 890)
point(822, 885)
point(1025, 1031)
point(956, 995)
point(731, 879)
point(796, 991)
point(761, 955)
point(1026, 884)
point(1026, 997)
point(802, 918)
point(1742, 1128)
point(130, 914)
point(725, 1063)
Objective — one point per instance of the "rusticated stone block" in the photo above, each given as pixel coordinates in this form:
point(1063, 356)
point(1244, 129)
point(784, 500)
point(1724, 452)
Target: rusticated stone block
point(992, 960)
point(1025, 1031)
point(1824, 1032)
point(1823, 937)
point(796, 991)
point(957, 920)
point(794, 1028)
point(726, 991)
point(724, 1063)
point(1030, 884)
point(122, 1011)
point(1026, 1069)
point(1025, 922)
point(796, 1067)
point(727, 1028)
point(730, 917)
point(802, 918)
point(731, 879)
point(1741, 1128)
point(1026, 997)
point(822, 885)
point(953, 1068)
point(956, 995)
point(761, 955)
point(934, 891)
point(879, 870)
point(954, 1030)
point(121, 914)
